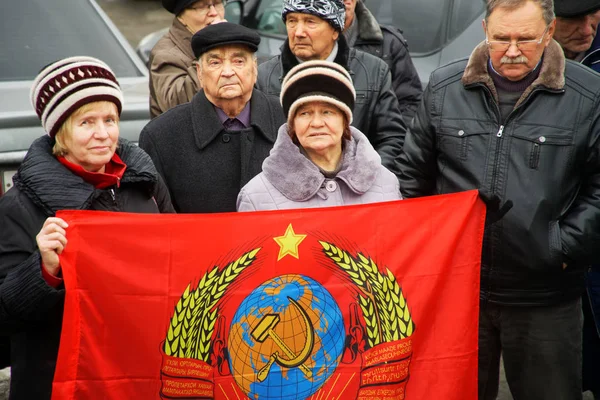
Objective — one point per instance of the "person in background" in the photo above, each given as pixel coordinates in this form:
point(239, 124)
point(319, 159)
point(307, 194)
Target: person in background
point(81, 164)
point(318, 159)
point(363, 32)
point(314, 29)
point(173, 77)
point(576, 32)
point(518, 121)
point(576, 28)
point(209, 148)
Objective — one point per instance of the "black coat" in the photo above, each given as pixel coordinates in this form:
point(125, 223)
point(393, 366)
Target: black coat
point(30, 309)
point(545, 158)
point(203, 165)
point(376, 112)
point(387, 43)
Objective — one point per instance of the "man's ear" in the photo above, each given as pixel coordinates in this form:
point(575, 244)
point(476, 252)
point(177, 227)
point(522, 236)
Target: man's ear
point(550, 33)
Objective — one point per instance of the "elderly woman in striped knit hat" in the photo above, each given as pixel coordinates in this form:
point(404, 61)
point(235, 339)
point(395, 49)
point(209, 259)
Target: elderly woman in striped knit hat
point(318, 159)
point(80, 164)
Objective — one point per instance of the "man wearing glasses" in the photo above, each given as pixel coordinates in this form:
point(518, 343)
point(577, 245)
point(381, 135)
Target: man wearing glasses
point(518, 121)
point(173, 78)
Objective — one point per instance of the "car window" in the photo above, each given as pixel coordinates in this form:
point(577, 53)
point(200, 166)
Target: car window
point(465, 12)
point(268, 18)
point(34, 33)
point(425, 23)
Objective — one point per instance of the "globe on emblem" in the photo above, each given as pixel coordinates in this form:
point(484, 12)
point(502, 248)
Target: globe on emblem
point(286, 339)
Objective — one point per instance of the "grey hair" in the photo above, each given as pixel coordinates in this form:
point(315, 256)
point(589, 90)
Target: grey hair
point(546, 5)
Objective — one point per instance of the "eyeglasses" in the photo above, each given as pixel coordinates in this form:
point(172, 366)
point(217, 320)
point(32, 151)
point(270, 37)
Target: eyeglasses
point(522, 45)
point(203, 8)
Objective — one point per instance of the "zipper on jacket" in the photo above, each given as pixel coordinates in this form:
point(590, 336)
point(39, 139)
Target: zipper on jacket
point(112, 194)
point(499, 134)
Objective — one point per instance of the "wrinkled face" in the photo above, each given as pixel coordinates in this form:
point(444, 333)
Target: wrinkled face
point(310, 37)
point(227, 73)
point(93, 137)
point(575, 35)
point(203, 13)
point(319, 127)
point(525, 23)
point(350, 6)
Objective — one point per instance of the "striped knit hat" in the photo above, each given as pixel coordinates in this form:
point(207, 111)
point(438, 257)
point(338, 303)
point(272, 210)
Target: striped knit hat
point(317, 80)
point(64, 86)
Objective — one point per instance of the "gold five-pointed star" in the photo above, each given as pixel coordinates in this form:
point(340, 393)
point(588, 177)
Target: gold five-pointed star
point(288, 243)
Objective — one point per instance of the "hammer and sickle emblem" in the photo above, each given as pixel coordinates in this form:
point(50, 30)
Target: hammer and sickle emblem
point(265, 328)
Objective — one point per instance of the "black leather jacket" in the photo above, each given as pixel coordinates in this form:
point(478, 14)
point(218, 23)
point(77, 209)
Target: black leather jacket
point(545, 158)
point(387, 43)
point(376, 112)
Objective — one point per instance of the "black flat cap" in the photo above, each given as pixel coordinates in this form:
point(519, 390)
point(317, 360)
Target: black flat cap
point(575, 8)
point(177, 6)
point(222, 34)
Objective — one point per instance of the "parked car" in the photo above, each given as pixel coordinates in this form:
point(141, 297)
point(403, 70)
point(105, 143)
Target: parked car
point(438, 31)
point(37, 32)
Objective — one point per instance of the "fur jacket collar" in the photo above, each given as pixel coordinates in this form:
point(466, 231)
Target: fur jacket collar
point(552, 73)
point(298, 179)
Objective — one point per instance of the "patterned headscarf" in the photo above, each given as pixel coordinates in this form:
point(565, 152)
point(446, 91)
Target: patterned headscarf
point(332, 11)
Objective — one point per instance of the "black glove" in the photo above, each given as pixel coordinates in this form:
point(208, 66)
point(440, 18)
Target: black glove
point(495, 211)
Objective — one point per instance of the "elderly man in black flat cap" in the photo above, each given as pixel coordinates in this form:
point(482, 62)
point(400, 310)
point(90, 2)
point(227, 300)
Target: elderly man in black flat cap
point(172, 73)
point(208, 149)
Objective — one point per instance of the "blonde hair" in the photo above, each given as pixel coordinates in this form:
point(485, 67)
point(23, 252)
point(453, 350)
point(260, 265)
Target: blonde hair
point(66, 129)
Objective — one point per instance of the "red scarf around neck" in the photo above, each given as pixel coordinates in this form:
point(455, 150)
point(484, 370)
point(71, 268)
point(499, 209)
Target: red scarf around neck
point(113, 172)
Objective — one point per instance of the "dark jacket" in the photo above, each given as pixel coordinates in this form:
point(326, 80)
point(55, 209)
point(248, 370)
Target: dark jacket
point(203, 165)
point(592, 56)
point(545, 158)
point(30, 309)
point(592, 60)
point(387, 43)
point(173, 78)
point(376, 112)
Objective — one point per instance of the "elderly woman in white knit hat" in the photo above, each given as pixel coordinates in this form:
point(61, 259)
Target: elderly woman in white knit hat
point(318, 159)
point(81, 164)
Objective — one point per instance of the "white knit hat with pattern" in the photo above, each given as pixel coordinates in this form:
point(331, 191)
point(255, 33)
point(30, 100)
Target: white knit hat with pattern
point(64, 86)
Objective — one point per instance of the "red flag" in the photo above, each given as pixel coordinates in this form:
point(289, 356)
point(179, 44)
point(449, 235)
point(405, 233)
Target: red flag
point(374, 301)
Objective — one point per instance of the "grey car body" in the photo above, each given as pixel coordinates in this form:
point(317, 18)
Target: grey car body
point(35, 33)
point(437, 31)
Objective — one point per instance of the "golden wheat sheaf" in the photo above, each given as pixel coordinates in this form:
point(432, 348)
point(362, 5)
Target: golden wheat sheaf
point(193, 322)
point(384, 308)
